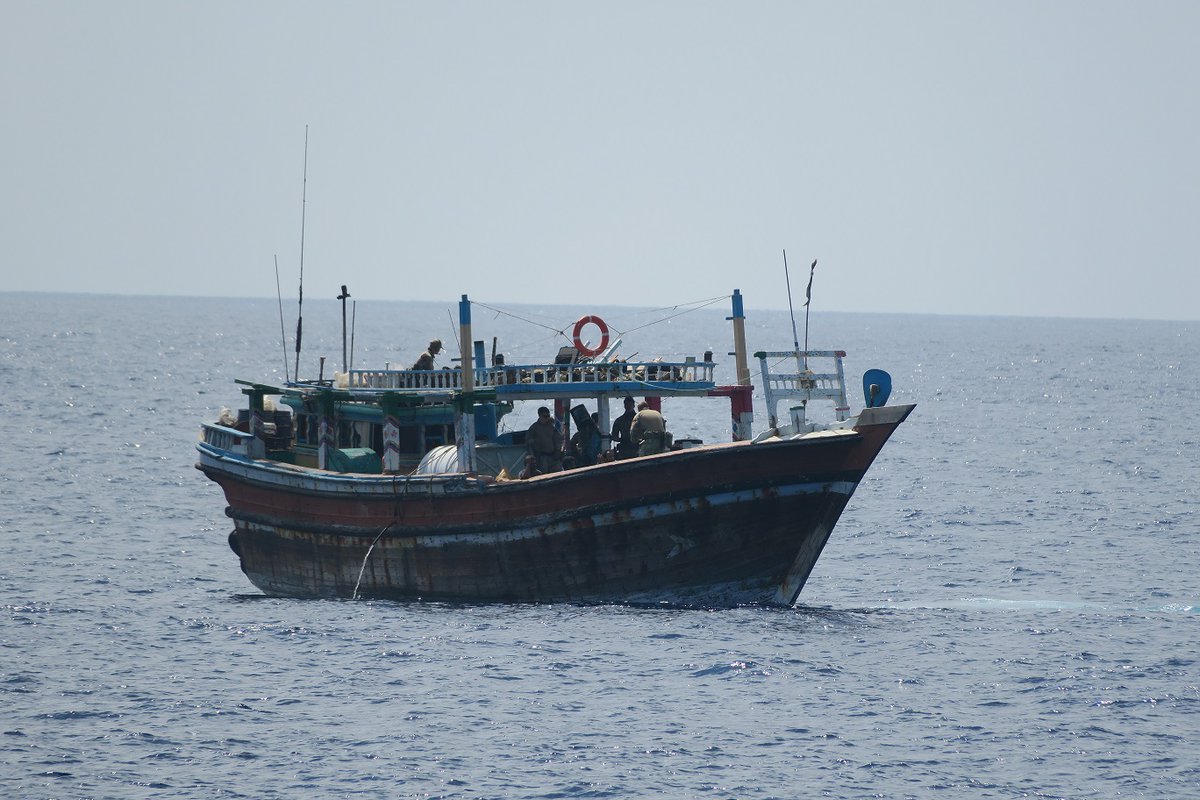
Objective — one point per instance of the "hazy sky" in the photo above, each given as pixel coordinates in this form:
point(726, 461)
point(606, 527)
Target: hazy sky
point(1029, 158)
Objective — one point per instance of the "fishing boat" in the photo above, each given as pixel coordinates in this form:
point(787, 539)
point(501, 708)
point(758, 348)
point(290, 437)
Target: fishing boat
point(401, 484)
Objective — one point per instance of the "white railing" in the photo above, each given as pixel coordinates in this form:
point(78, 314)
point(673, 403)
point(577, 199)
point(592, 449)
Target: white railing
point(229, 439)
point(689, 371)
point(804, 384)
point(416, 379)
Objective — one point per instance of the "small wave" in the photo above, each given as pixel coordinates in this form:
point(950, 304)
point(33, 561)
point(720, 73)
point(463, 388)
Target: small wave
point(1175, 608)
point(77, 714)
point(1040, 604)
point(733, 667)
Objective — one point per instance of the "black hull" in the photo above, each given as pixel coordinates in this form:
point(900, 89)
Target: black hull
point(722, 524)
point(726, 547)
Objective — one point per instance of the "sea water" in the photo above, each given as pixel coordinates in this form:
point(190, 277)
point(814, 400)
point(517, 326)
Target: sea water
point(1006, 609)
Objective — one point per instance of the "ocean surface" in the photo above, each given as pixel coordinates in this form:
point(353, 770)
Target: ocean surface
point(1008, 607)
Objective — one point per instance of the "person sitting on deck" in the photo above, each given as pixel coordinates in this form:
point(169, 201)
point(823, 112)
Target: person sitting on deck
point(622, 444)
point(426, 359)
point(530, 467)
point(649, 431)
point(545, 442)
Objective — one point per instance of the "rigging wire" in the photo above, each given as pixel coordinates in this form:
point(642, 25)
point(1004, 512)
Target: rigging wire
point(454, 330)
point(698, 304)
point(516, 317)
point(555, 333)
point(702, 304)
point(363, 568)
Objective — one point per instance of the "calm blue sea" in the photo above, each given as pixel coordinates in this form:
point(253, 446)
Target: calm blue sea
point(1007, 609)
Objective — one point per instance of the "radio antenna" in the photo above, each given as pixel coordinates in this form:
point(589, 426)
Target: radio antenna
point(282, 334)
point(792, 311)
point(807, 302)
point(353, 320)
point(303, 205)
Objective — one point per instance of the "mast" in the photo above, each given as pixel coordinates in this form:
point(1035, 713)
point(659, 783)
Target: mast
point(464, 417)
point(465, 344)
point(741, 395)
point(739, 340)
point(343, 297)
point(303, 205)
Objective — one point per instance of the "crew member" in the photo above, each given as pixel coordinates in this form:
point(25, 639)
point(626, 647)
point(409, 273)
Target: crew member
point(622, 444)
point(426, 359)
point(545, 442)
point(648, 430)
point(530, 467)
point(585, 444)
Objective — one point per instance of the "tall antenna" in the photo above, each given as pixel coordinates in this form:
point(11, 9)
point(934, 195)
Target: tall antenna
point(454, 328)
point(792, 311)
point(807, 301)
point(353, 320)
point(303, 205)
point(282, 334)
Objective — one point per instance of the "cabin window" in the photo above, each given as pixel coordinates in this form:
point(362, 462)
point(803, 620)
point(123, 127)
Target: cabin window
point(438, 435)
point(409, 439)
point(353, 434)
point(307, 429)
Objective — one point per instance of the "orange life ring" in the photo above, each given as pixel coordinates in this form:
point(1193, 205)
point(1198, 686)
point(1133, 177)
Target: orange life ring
point(599, 323)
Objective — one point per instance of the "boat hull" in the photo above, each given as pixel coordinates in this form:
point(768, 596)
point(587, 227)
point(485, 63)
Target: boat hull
point(715, 525)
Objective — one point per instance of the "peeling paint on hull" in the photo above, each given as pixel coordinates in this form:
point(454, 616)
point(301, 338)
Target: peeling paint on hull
point(721, 524)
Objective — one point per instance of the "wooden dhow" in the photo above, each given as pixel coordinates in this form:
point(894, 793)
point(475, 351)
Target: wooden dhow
point(395, 483)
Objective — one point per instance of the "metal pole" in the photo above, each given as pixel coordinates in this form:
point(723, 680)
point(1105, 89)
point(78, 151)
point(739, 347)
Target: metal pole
point(300, 307)
point(345, 363)
point(792, 311)
point(739, 340)
point(282, 333)
point(353, 323)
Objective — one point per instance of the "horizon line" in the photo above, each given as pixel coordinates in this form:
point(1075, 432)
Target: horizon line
point(990, 315)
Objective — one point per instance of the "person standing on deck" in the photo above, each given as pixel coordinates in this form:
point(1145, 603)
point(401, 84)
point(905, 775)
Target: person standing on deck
point(426, 359)
point(621, 443)
point(648, 430)
point(545, 442)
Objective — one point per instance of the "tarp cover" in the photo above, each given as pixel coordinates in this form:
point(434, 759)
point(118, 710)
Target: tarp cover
point(355, 459)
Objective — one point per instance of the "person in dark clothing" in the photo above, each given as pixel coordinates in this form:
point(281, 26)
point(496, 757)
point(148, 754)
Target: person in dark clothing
point(623, 446)
point(585, 444)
